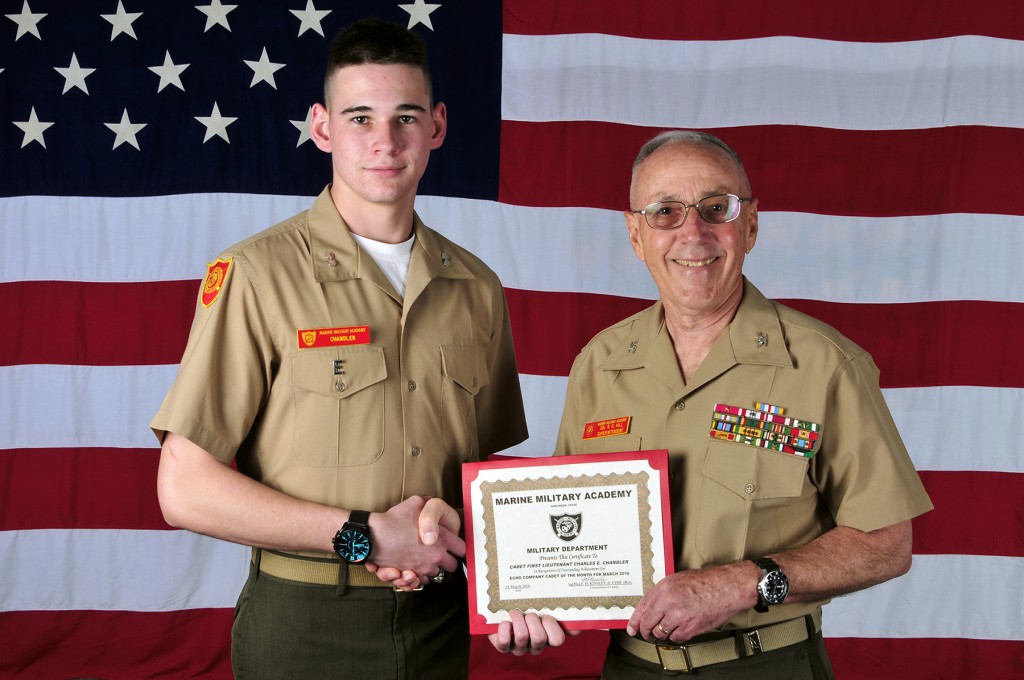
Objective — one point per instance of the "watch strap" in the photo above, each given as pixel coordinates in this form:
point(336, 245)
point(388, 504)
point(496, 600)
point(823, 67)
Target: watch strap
point(359, 518)
point(765, 564)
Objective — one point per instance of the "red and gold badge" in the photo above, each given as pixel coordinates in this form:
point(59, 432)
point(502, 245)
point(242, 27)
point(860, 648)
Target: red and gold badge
point(327, 337)
point(216, 278)
point(606, 428)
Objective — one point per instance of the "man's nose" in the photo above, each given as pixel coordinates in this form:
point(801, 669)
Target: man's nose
point(387, 139)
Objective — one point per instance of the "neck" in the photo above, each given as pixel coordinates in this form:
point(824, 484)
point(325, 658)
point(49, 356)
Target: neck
point(384, 222)
point(694, 334)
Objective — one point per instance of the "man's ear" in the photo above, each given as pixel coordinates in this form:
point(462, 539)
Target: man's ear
point(440, 117)
point(319, 128)
point(633, 226)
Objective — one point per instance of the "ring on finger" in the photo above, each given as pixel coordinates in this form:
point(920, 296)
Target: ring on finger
point(664, 631)
point(439, 577)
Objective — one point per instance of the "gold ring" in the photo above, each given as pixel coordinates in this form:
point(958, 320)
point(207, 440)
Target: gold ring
point(664, 631)
point(439, 577)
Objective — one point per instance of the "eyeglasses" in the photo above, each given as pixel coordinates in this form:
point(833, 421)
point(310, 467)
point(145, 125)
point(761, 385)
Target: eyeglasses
point(717, 209)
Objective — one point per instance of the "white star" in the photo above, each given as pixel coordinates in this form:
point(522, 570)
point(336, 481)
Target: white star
point(216, 13)
point(27, 21)
point(216, 124)
point(121, 22)
point(303, 126)
point(74, 75)
point(170, 73)
point(419, 13)
point(126, 131)
point(263, 70)
point(310, 18)
point(33, 129)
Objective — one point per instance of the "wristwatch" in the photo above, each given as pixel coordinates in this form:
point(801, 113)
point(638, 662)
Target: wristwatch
point(352, 542)
point(773, 587)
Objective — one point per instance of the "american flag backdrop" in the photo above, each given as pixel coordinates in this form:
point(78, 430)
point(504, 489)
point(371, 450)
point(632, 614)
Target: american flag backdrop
point(885, 141)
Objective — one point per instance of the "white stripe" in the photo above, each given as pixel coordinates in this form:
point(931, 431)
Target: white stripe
point(923, 415)
point(798, 255)
point(780, 80)
point(148, 571)
point(111, 406)
point(942, 596)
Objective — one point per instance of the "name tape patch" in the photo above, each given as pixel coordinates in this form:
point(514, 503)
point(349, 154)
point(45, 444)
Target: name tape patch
point(606, 428)
point(330, 337)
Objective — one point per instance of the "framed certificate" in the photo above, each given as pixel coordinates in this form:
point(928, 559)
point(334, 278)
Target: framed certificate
point(581, 538)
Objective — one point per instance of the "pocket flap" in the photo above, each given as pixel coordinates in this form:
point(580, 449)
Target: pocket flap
point(338, 373)
point(753, 473)
point(466, 366)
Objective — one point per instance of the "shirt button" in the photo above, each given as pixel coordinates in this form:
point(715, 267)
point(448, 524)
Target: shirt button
point(415, 450)
point(340, 386)
point(749, 488)
point(680, 405)
point(412, 385)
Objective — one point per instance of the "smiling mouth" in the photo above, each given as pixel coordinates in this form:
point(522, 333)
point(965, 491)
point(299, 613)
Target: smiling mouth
point(695, 263)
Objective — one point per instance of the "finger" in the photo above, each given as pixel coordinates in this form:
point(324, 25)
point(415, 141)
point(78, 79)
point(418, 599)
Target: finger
point(501, 639)
point(553, 631)
point(521, 634)
point(538, 633)
point(436, 513)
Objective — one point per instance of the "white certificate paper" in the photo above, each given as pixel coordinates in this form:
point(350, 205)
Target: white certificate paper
point(581, 538)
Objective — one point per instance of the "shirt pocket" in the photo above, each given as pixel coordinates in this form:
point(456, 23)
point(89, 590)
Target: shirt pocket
point(744, 492)
point(465, 374)
point(338, 405)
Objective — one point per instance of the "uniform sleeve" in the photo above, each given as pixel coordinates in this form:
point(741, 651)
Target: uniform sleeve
point(570, 427)
point(225, 372)
point(863, 470)
point(501, 418)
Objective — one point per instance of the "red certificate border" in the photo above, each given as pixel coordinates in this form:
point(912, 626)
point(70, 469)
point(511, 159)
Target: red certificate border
point(657, 460)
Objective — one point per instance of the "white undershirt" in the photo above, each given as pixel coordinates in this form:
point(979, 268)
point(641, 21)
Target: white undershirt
point(392, 258)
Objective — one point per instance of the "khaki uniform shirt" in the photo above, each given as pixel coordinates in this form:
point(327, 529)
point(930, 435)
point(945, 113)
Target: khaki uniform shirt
point(732, 501)
point(361, 422)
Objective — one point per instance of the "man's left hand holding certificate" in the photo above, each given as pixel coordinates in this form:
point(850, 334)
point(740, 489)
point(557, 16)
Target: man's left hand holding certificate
point(580, 538)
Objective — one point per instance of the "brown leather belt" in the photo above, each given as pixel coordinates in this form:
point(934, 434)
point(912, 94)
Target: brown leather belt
point(734, 645)
point(314, 570)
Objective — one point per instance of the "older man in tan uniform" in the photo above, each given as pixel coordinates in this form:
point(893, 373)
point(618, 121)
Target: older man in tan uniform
point(790, 484)
point(348, 360)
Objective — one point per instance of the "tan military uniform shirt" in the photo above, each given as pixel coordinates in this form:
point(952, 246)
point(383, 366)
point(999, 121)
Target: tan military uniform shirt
point(389, 405)
point(733, 501)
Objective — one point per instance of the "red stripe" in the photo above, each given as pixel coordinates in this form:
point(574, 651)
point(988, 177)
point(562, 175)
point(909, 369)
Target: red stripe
point(115, 645)
point(104, 324)
point(974, 514)
point(862, 21)
point(116, 489)
point(79, 489)
point(792, 168)
point(95, 324)
point(195, 644)
point(950, 342)
point(924, 658)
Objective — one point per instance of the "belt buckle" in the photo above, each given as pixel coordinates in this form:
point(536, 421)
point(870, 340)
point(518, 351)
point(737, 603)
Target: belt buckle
point(674, 658)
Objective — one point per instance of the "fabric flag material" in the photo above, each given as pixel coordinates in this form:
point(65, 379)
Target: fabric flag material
point(884, 140)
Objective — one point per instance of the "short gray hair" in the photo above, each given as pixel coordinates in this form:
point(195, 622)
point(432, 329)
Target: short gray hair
point(670, 137)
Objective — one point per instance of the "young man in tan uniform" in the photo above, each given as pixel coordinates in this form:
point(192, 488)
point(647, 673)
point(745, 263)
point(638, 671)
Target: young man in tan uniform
point(763, 536)
point(348, 360)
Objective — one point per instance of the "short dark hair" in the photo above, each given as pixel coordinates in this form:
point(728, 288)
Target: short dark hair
point(376, 41)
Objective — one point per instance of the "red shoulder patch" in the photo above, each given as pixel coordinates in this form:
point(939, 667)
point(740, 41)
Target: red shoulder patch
point(216, 279)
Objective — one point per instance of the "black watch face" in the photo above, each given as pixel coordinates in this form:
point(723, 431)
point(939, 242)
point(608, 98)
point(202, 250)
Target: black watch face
point(353, 546)
point(775, 587)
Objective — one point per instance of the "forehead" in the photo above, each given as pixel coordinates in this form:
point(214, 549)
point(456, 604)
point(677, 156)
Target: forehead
point(378, 82)
point(686, 169)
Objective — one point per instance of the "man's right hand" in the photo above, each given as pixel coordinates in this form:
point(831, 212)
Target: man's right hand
point(415, 540)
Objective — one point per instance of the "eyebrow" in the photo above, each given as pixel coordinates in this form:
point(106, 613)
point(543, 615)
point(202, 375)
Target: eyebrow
point(719, 191)
point(367, 109)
